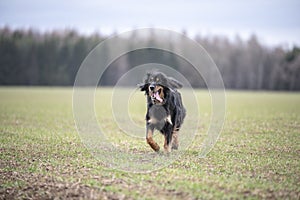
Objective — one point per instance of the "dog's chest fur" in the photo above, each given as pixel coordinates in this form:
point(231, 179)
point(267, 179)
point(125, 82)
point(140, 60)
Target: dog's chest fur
point(158, 116)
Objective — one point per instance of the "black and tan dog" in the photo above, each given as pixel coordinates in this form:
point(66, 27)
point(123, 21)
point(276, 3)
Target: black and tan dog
point(165, 111)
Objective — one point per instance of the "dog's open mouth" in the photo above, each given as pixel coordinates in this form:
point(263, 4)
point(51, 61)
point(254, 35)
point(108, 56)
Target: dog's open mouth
point(156, 96)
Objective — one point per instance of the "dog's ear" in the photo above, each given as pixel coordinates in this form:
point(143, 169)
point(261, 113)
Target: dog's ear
point(143, 86)
point(174, 83)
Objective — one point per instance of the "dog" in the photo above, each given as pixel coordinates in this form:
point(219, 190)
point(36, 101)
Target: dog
point(165, 110)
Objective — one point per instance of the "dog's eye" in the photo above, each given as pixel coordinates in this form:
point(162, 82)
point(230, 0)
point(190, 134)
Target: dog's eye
point(157, 79)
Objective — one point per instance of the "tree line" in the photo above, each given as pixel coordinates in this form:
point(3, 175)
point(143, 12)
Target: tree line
point(29, 57)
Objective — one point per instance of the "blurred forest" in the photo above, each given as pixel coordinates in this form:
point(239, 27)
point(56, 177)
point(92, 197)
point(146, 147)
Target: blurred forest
point(29, 57)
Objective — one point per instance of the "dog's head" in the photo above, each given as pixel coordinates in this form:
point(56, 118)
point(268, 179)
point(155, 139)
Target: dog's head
point(157, 85)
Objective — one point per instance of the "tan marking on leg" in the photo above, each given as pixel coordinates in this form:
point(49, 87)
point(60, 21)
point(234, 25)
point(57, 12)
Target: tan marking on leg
point(167, 146)
point(151, 142)
point(175, 142)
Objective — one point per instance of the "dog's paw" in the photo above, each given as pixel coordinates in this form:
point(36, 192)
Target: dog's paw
point(175, 146)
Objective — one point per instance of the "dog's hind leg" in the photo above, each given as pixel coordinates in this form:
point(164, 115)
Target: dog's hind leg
point(150, 140)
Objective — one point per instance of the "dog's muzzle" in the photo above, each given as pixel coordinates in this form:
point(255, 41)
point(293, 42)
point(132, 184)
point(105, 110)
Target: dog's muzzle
point(151, 87)
point(155, 95)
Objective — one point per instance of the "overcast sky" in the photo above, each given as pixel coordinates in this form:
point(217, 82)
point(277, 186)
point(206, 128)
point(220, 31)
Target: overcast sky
point(273, 21)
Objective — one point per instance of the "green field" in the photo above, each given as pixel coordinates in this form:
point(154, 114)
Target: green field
point(257, 155)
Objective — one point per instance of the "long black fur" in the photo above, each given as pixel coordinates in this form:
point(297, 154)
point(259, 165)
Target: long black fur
point(170, 106)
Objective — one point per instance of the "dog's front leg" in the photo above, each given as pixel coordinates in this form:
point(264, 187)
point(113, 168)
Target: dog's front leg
point(149, 138)
point(167, 145)
point(175, 142)
point(168, 141)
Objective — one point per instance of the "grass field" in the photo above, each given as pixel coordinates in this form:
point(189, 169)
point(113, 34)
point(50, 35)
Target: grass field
point(257, 155)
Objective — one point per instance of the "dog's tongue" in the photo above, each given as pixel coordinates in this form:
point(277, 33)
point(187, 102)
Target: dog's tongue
point(156, 95)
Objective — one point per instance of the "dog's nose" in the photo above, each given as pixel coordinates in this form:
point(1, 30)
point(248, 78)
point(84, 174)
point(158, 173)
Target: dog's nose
point(151, 87)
